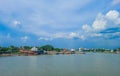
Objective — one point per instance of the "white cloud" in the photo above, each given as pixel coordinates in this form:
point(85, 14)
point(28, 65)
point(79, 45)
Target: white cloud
point(82, 37)
point(71, 35)
point(99, 23)
point(35, 15)
point(76, 35)
point(53, 19)
point(25, 38)
point(44, 38)
point(114, 2)
point(114, 16)
point(96, 35)
point(117, 21)
point(16, 23)
point(110, 20)
point(86, 27)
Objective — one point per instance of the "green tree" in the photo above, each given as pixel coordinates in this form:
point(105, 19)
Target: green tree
point(0, 48)
point(57, 49)
point(27, 47)
point(13, 49)
point(47, 47)
point(3, 50)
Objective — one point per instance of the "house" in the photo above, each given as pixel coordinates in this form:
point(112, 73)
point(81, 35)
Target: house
point(35, 50)
point(72, 51)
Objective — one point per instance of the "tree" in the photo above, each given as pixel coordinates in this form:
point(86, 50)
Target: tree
point(13, 48)
point(57, 49)
point(0, 48)
point(3, 50)
point(47, 47)
point(27, 47)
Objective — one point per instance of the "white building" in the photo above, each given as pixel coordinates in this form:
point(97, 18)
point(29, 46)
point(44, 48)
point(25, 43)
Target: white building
point(72, 50)
point(80, 49)
point(34, 49)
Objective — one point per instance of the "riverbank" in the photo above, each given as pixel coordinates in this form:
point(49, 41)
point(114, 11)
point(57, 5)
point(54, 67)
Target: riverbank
point(53, 53)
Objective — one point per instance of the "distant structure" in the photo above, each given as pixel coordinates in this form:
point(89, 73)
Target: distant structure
point(34, 49)
point(72, 50)
point(64, 50)
point(112, 51)
point(80, 49)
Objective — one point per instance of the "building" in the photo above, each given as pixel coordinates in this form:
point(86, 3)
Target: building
point(34, 49)
point(81, 49)
point(72, 51)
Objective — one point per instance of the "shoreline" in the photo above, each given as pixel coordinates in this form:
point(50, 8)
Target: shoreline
point(7, 55)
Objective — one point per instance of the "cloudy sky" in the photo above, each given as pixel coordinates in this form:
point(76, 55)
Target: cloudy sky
point(61, 23)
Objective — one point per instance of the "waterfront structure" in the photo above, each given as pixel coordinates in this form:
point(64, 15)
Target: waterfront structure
point(72, 51)
point(34, 49)
point(81, 49)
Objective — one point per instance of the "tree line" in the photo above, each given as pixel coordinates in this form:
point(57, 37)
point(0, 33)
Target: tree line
point(102, 50)
point(14, 49)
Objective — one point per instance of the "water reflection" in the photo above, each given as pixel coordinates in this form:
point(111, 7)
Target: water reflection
point(33, 61)
point(91, 64)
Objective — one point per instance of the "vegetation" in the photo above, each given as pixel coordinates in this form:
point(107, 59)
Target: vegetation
point(26, 47)
point(57, 49)
point(47, 48)
point(14, 49)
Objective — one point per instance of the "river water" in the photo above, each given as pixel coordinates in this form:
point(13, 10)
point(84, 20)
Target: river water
point(90, 64)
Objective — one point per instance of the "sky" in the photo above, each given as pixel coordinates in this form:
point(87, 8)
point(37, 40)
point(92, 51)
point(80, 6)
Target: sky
point(61, 23)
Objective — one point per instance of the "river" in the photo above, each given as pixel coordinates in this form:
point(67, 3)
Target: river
point(89, 64)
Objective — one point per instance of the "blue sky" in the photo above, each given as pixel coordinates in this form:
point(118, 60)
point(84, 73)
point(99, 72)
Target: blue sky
point(61, 23)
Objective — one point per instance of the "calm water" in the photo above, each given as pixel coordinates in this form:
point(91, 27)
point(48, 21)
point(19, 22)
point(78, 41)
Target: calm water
point(91, 64)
